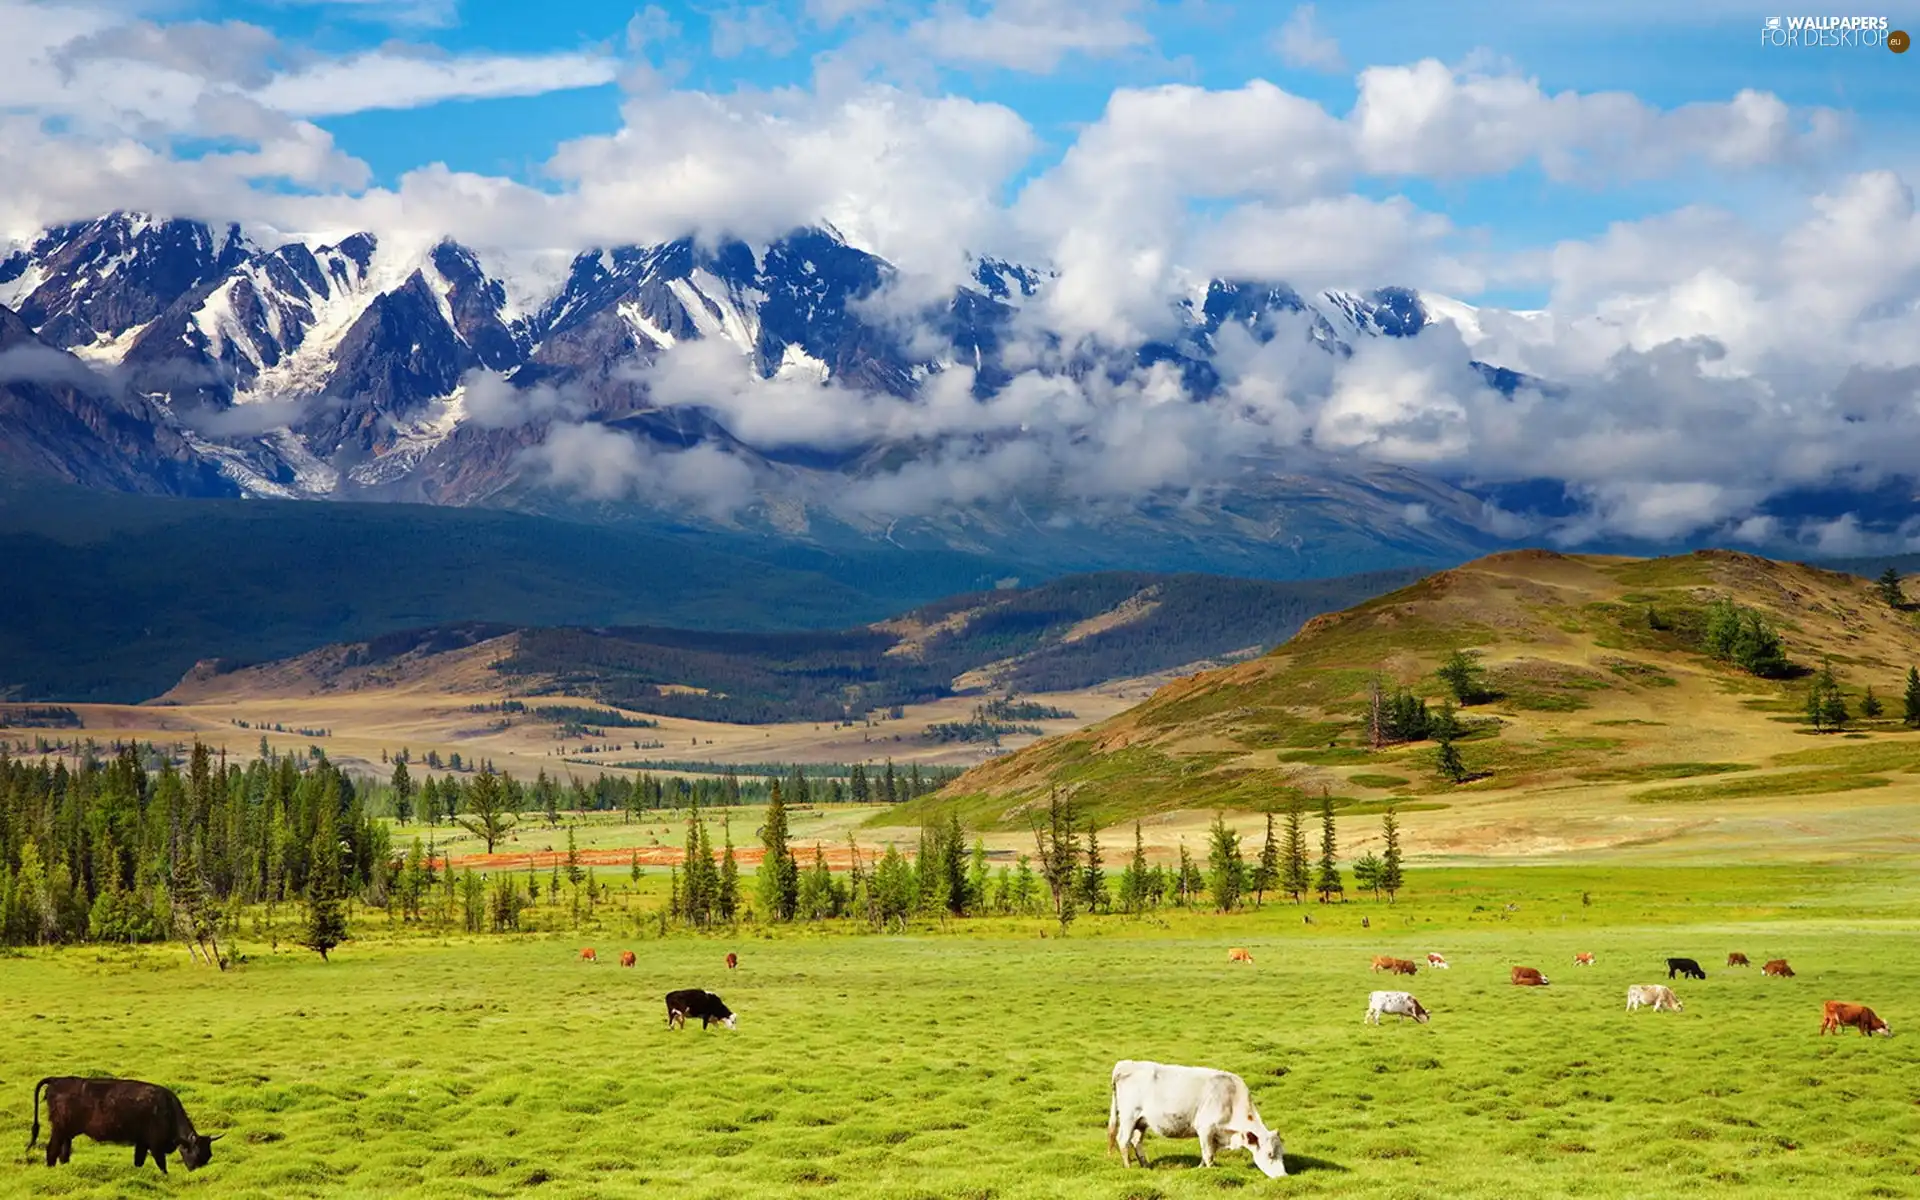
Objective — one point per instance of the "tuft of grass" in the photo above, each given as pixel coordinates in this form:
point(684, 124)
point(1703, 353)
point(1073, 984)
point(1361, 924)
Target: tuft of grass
point(1368, 780)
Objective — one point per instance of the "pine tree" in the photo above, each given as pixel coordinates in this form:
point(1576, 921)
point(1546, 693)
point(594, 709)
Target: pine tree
point(1870, 706)
point(979, 878)
point(402, 793)
point(546, 794)
point(779, 881)
point(890, 789)
point(1449, 762)
point(862, 794)
point(1461, 673)
point(633, 867)
point(1133, 881)
point(1093, 876)
point(326, 925)
point(1057, 846)
point(953, 865)
point(1889, 585)
point(1266, 875)
point(1910, 702)
point(574, 873)
point(1294, 879)
point(1366, 873)
point(1391, 877)
point(488, 818)
point(1327, 880)
point(728, 900)
point(1226, 872)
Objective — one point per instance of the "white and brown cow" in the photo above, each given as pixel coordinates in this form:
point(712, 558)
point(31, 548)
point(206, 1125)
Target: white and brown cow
point(1201, 1102)
point(1399, 1004)
point(1437, 962)
point(1656, 996)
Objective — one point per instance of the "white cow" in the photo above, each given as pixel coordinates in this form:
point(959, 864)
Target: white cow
point(1201, 1102)
point(1656, 995)
point(1400, 1004)
point(1437, 962)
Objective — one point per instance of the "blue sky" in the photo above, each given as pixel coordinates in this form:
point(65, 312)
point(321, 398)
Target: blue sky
point(1667, 55)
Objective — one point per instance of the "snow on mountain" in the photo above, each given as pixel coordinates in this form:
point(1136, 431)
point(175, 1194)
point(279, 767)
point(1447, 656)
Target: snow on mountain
point(335, 366)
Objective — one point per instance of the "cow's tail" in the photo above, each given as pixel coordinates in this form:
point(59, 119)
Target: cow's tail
point(1113, 1115)
point(37, 1089)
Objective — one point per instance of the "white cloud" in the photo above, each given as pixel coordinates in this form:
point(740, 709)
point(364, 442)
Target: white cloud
point(423, 13)
point(1028, 35)
point(607, 464)
point(382, 80)
point(1300, 44)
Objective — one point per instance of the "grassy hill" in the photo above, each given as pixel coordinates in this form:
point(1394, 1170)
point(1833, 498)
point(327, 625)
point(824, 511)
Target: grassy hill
point(1601, 693)
point(1060, 636)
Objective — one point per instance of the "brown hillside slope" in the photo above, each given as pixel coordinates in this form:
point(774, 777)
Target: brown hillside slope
point(1608, 708)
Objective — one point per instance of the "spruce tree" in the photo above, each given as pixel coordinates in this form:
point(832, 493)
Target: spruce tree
point(1266, 875)
point(402, 793)
point(953, 865)
point(862, 794)
point(487, 816)
point(728, 900)
point(1093, 875)
point(1910, 702)
point(1133, 881)
point(1889, 585)
point(1226, 872)
point(574, 873)
point(779, 882)
point(1391, 877)
point(1294, 878)
point(1870, 706)
point(1449, 762)
point(1367, 872)
point(326, 925)
point(890, 790)
point(1461, 673)
point(979, 879)
point(1327, 880)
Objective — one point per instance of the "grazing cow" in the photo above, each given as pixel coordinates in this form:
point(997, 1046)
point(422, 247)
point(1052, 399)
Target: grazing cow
point(1583, 960)
point(1240, 954)
point(1437, 962)
point(1655, 995)
point(1855, 1016)
point(1778, 968)
point(1398, 1003)
point(1401, 966)
point(1528, 977)
point(1684, 966)
point(1383, 962)
point(696, 1002)
point(1201, 1102)
point(125, 1112)
point(733, 960)
point(1737, 959)
point(587, 955)
point(627, 958)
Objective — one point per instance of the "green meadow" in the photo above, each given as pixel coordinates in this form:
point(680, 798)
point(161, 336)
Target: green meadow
point(972, 1061)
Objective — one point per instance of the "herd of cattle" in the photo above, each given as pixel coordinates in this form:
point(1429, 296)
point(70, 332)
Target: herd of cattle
point(1173, 1101)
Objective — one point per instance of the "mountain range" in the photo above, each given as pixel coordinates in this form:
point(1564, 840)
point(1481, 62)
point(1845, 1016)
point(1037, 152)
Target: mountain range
point(177, 357)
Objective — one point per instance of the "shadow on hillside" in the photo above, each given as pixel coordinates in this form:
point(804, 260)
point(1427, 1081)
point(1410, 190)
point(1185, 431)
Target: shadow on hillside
point(1296, 1163)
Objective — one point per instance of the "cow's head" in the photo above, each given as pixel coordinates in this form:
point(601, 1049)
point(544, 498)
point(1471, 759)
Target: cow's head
point(1419, 1014)
point(729, 1020)
point(197, 1150)
point(1881, 1027)
point(1263, 1143)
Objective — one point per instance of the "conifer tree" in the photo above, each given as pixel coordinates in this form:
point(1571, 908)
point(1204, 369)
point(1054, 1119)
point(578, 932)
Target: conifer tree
point(487, 816)
point(1910, 703)
point(1093, 876)
point(728, 900)
point(1294, 879)
point(1870, 706)
point(890, 790)
point(402, 793)
point(574, 873)
point(326, 925)
point(1889, 585)
point(1327, 880)
point(1133, 881)
point(1266, 874)
point(1391, 877)
point(953, 865)
point(979, 879)
point(779, 881)
point(1366, 873)
point(1226, 871)
point(862, 794)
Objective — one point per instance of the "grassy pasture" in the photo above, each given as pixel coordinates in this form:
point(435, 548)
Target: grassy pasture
point(973, 1062)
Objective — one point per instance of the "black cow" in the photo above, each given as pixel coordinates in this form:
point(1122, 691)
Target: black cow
point(695, 1002)
point(1684, 966)
point(125, 1112)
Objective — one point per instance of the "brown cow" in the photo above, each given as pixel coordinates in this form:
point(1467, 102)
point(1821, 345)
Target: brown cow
point(125, 1112)
point(1240, 954)
point(1583, 960)
point(587, 955)
point(1528, 977)
point(1383, 962)
point(1737, 959)
point(733, 960)
point(1403, 967)
point(1856, 1016)
point(1437, 961)
point(627, 958)
point(1777, 968)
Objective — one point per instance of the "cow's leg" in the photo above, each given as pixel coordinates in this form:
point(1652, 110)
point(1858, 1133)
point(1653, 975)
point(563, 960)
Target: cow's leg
point(1138, 1136)
point(140, 1156)
point(66, 1149)
point(160, 1160)
point(53, 1151)
point(1206, 1145)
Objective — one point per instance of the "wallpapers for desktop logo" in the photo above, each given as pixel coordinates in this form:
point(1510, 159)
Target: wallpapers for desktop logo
point(1846, 33)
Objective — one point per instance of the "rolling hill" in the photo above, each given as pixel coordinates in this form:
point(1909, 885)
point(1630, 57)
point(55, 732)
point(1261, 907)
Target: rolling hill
point(1060, 636)
point(1606, 717)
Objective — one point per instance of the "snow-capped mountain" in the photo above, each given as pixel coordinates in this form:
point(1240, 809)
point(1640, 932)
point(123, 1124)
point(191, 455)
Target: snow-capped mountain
point(247, 364)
